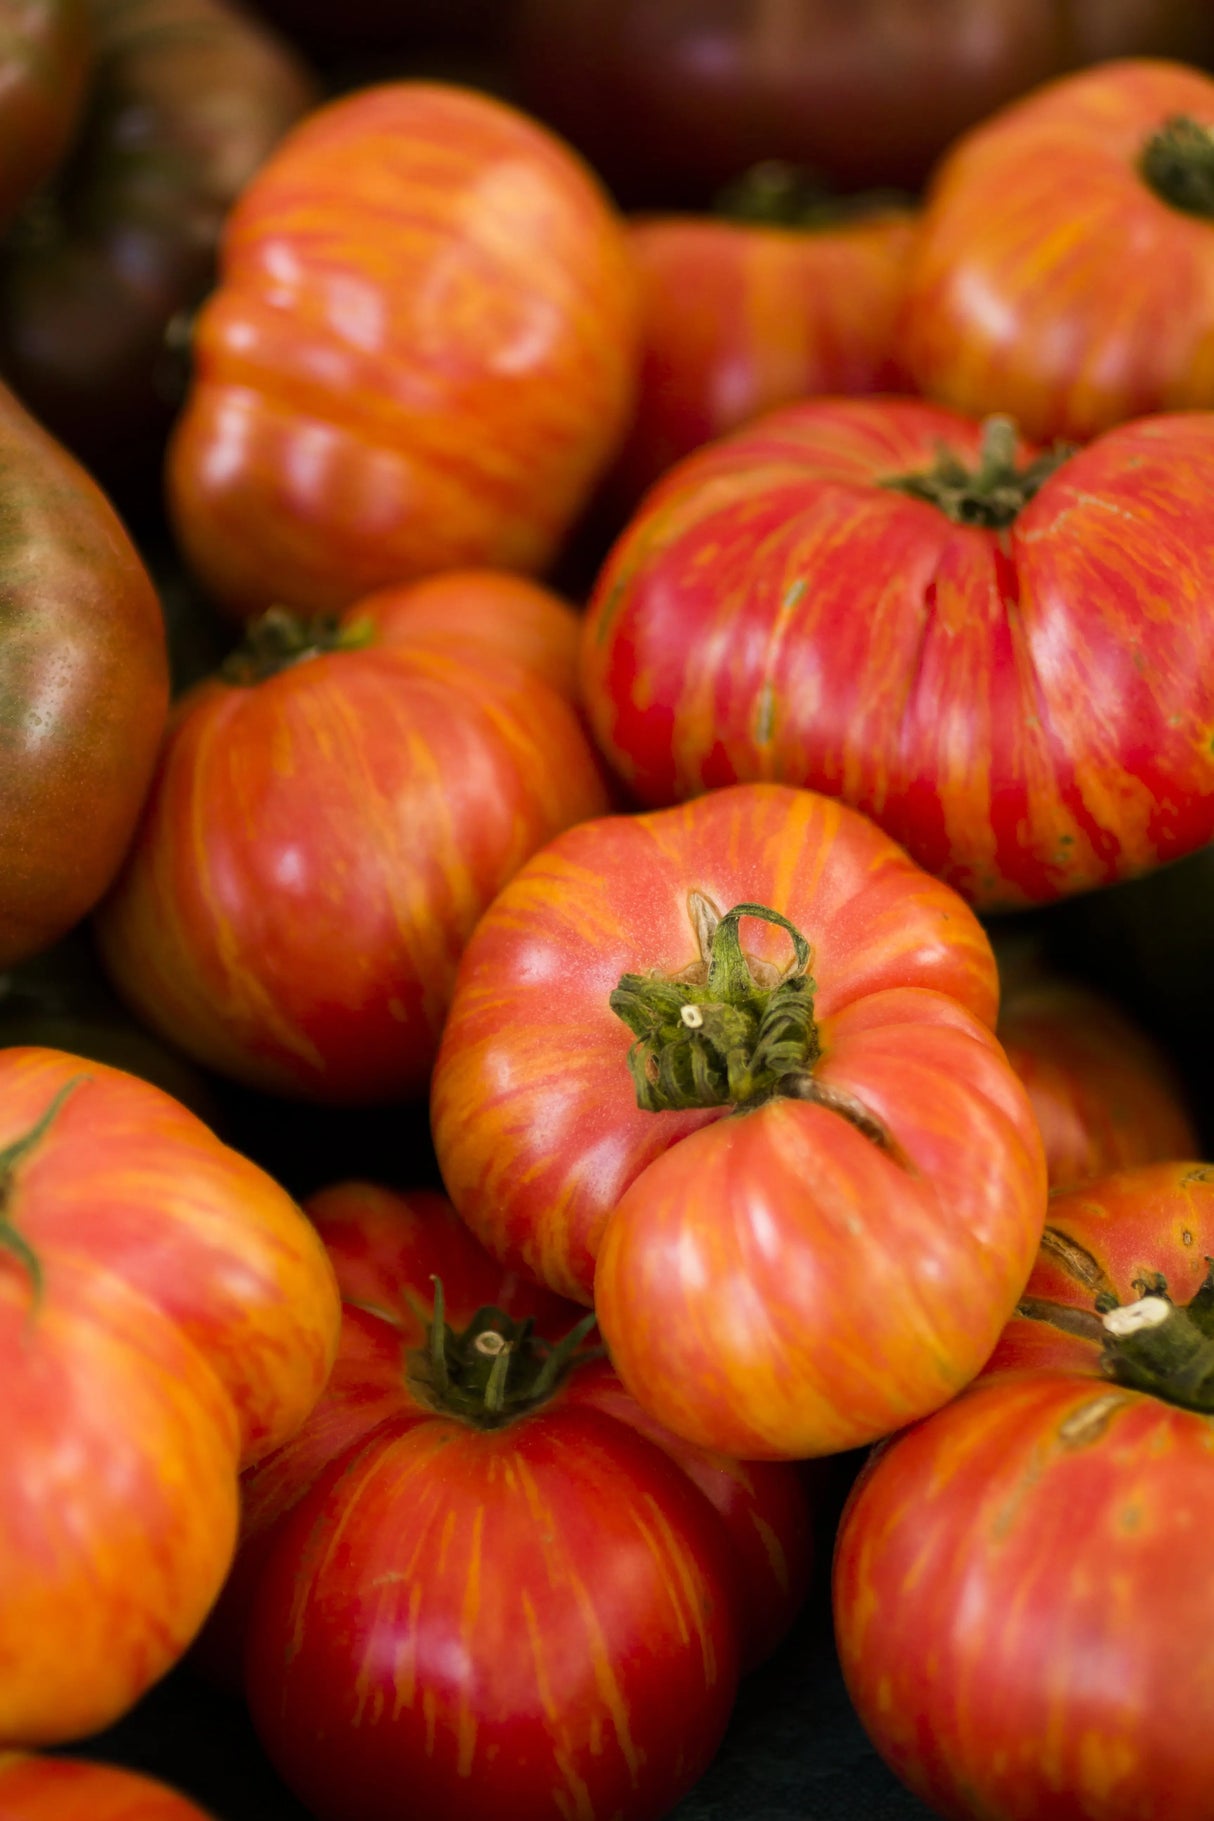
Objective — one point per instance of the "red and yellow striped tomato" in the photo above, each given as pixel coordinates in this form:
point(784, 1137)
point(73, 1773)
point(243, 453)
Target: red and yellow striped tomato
point(740, 316)
point(1023, 1613)
point(167, 1316)
point(332, 813)
point(1002, 661)
point(812, 1198)
point(479, 1573)
point(1064, 268)
point(420, 354)
point(66, 1789)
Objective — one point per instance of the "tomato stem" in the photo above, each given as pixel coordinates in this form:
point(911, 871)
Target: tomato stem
point(729, 1029)
point(1177, 162)
point(277, 639)
point(993, 493)
point(12, 1240)
point(1160, 1346)
point(776, 194)
point(496, 1368)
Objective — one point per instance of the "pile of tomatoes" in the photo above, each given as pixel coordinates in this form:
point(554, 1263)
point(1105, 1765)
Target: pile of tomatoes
point(601, 731)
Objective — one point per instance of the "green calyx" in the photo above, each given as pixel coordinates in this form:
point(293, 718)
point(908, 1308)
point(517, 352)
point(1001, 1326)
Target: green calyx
point(989, 495)
point(495, 1369)
point(278, 639)
point(12, 1240)
point(776, 194)
point(1160, 1346)
point(1177, 163)
point(729, 1030)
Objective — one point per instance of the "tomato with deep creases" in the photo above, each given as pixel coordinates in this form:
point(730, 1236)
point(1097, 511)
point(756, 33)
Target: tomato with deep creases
point(999, 653)
point(34, 1788)
point(1064, 268)
point(420, 354)
point(804, 1202)
point(167, 1316)
point(84, 688)
point(185, 100)
point(331, 815)
point(1021, 1601)
point(540, 1601)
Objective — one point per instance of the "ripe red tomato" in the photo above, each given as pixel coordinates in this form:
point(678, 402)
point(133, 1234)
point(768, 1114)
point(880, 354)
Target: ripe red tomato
point(1024, 1619)
point(322, 835)
point(1064, 271)
point(1004, 665)
point(533, 1607)
point(1105, 1095)
point(420, 355)
point(185, 99)
point(68, 1789)
point(84, 688)
point(47, 56)
point(740, 316)
point(167, 1316)
point(785, 1175)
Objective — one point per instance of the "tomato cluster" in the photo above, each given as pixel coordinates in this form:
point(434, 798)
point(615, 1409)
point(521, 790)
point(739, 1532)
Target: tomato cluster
point(596, 646)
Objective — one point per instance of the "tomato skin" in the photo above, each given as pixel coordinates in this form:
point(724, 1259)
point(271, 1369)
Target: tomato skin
point(64, 1789)
point(84, 688)
point(129, 1180)
point(1018, 1620)
point(548, 1615)
point(46, 49)
point(967, 706)
point(317, 847)
point(185, 99)
point(738, 318)
point(118, 1498)
point(441, 282)
point(1104, 1093)
point(1049, 280)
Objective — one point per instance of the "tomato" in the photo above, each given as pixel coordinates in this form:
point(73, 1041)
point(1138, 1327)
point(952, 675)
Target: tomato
point(739, 316)
point(981, 647)
point(670, 98)
point(801, 1173)
point(65, 1789)
point(83, 688)
point(1065, 267)
point(323, 834)
point(46, 51)
point(1104, 1092)
point(539, 1599)
point(420, 355)
point(1023, 1620)
point(186, 98)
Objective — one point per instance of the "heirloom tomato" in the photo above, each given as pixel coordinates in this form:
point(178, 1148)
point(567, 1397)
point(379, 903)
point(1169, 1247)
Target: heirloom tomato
point(1104, 1093)
point(73, 1789)
point(538, 1600)
point(669, 98)
point(84, 688)
point(1064, 270)
point(186, 98)
point(813, 1196)
point(1022, 1604)
point(1000, 655)
point(739, 315)
point(167, 1315)
point(332, 813)
point(420, 354)
point(46, 50)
